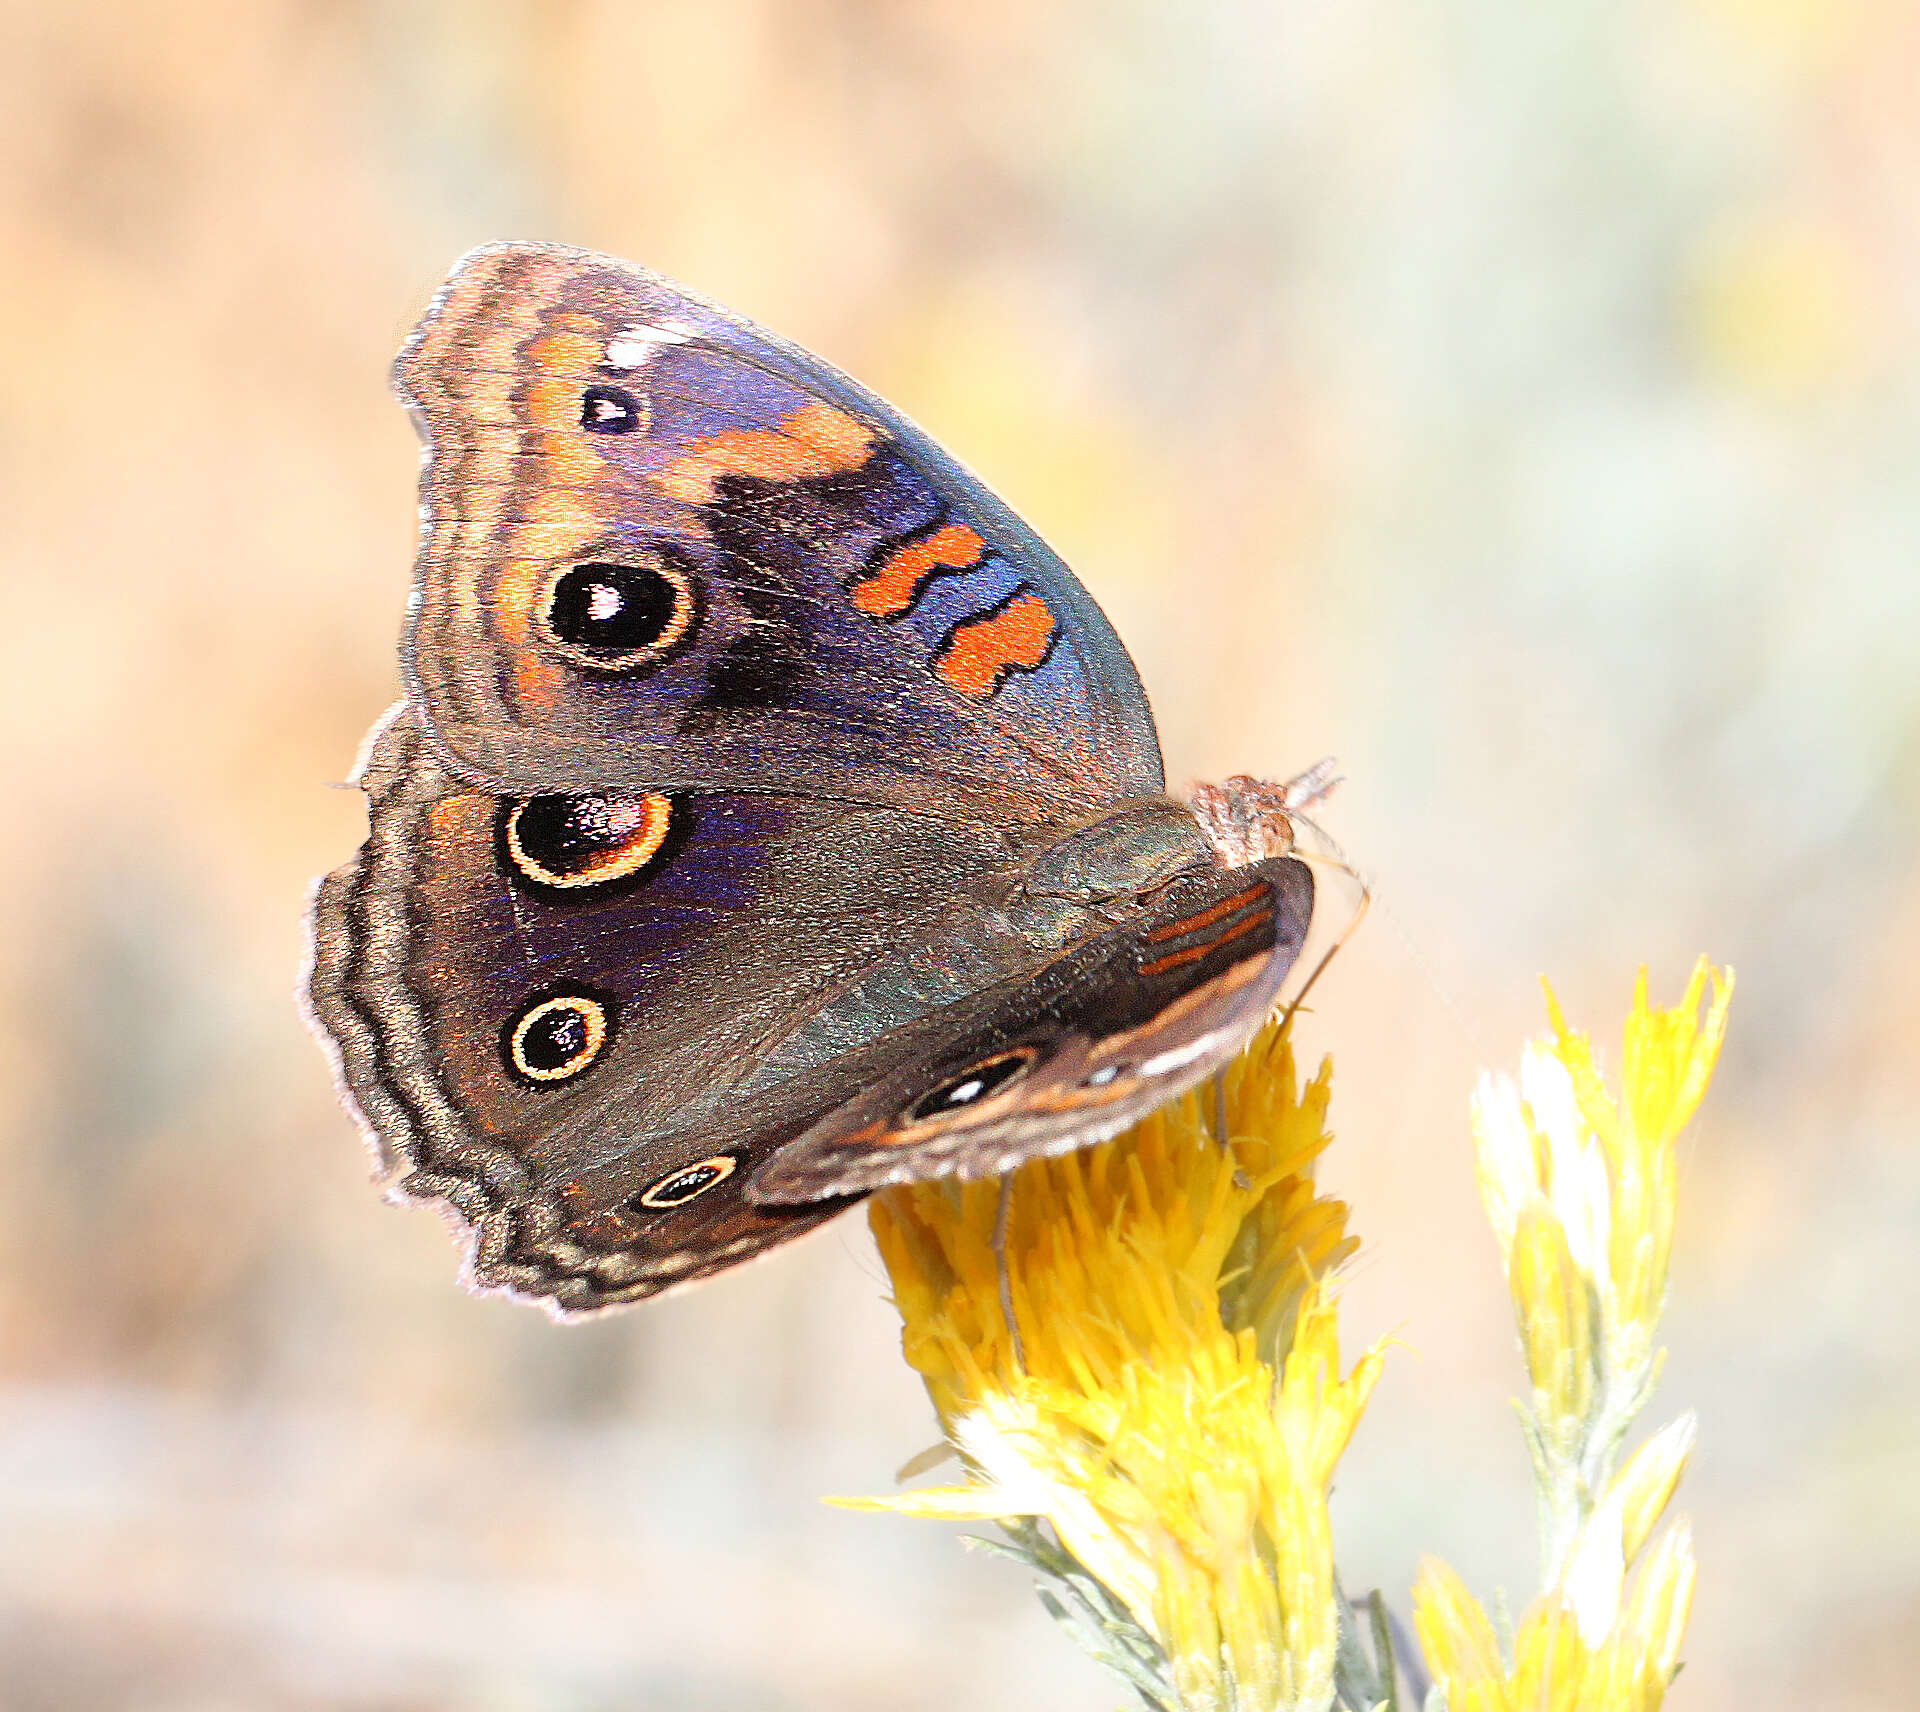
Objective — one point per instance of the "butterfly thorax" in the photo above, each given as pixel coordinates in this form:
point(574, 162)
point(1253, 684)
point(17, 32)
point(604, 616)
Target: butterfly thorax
point(1122, 854)
point(1075, 884)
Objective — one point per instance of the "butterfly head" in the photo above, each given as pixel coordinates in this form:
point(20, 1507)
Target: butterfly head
point(1249, 820)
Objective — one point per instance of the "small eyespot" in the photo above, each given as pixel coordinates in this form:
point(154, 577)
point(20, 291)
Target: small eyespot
point(1105, 1074)
point(578, 844)
point(556, 1038)
point(617, 617)
point(687, 1183)
point(609, 410)
point(973, 1084)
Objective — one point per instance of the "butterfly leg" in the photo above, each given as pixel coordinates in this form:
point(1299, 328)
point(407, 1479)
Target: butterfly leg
point(1220, 1106)
point(1001, 1219)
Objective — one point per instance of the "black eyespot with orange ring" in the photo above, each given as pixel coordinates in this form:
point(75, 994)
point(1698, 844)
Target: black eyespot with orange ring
point(621, 615)
point(973, 1084)
point(686, 1183)
point(580, 847)
point(556, 1036)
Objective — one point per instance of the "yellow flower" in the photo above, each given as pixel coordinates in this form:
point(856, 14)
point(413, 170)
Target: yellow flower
point(1180, 1406)
point(1557, 1666)
point(1581, 1190)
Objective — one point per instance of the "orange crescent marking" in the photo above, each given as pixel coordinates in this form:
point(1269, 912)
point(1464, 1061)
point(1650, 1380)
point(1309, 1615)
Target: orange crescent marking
point(536, 686)
point(561, 361)
point(458, 817)
point(1193, 954)
point(892, 587)
point(983, 650)
point(564, 353)
point(572, 462)
point(554, 404)
point(555, 526)
point(816, 440)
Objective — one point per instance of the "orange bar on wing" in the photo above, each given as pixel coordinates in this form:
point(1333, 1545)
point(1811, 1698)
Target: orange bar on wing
point(1193, 953)
point(1206, 918)
point(981, 652)
point(895, 583)
point(816, 440)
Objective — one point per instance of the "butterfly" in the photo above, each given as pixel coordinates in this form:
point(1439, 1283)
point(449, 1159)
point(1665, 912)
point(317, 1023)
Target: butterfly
point(770, 815)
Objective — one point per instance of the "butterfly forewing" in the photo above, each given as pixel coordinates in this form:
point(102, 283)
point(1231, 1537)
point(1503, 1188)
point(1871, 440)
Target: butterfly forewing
point(662, 547)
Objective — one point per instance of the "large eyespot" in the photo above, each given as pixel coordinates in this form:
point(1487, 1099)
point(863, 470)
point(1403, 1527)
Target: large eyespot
point(973, 1084)
point(610, 410)
point(576, 845)
point(618, 617)
point(556, 1038)
point(687, 1183)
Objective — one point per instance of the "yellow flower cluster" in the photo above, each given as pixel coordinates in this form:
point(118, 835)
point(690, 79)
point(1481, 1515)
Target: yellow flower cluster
point(1581, 1191)
point(1173, 1406)
point(1167, 1397)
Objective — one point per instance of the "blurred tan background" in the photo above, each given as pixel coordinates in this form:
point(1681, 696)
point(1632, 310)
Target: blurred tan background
point(1521, 402)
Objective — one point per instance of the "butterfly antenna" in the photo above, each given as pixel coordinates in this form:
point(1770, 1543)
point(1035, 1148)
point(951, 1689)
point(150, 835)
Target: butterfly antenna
point(1333, 857)
point(1327, 956)
point(1002, 1218)
point(1369, 893)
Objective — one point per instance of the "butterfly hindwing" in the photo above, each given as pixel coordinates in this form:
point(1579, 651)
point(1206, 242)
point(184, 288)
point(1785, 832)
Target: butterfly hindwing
point(1066, 1054)
point(548, 1010)
point(662, 547)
